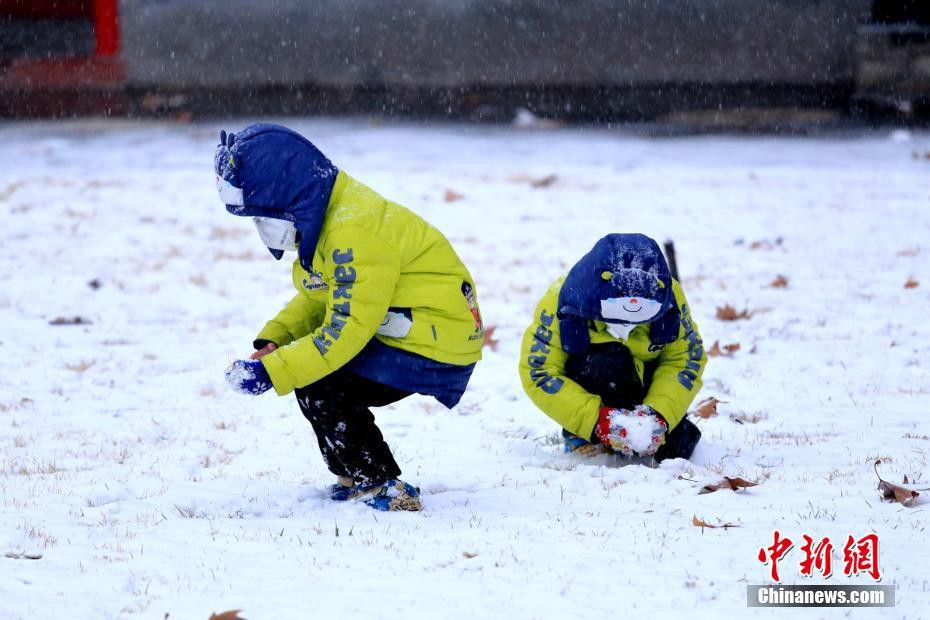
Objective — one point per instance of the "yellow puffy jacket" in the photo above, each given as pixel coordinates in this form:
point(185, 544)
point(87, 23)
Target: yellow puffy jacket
point(676, 381)
point(380, 271)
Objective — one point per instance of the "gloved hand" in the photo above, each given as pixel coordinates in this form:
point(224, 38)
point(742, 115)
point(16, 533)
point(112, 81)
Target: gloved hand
point(248, 377)
point(640, 431)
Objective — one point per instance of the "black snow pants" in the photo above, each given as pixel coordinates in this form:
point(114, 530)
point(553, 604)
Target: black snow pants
point(337, 407)
point(607, 369)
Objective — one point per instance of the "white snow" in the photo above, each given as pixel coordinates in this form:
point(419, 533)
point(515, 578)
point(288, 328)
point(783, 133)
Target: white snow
point(149, 488)
point(639, 428)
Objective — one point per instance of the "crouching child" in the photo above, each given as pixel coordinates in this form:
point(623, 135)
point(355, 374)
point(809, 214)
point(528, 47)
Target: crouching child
point(384, 307)
point(613, 355)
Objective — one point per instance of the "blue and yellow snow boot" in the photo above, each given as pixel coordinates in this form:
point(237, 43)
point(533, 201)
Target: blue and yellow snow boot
point(343, 490)
point(390, 495)
point(576, 445)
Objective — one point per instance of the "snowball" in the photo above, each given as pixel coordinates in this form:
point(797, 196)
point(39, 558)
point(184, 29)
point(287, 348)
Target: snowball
point(639, 430)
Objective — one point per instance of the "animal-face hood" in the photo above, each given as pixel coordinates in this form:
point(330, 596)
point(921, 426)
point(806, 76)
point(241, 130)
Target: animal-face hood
point(271, 171)
point(624, 279)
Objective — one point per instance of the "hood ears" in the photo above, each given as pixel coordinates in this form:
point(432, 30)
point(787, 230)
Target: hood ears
point(281, 175)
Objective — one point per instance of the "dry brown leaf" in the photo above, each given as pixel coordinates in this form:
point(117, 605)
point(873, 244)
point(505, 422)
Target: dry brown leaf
point(469, 555)
point(780, 281)
point(232, 614)
point(734, 484)
point(911, 283)
point(707, 408)
point(545, 181)
point(729, 313)
point(761, 245)
point(80, 366)
point(452, 196)
point(894, 493)
point(727, 351)
point(489, 340)
point(701, 523)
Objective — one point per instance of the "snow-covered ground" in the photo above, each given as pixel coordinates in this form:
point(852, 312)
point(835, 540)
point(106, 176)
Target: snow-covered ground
point(149, 488)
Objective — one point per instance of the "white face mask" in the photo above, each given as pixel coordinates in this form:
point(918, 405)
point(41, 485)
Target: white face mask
point(229, 194)
point(276, 234)
point(630, 309)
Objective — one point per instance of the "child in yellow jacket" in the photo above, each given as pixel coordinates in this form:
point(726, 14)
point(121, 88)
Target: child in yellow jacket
point(613, 355)
point(384, 306)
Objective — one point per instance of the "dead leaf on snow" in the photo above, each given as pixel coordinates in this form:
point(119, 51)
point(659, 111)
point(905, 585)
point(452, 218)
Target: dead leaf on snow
point(911, 283)
point(707, 408)
point(765, 244)
point(80, 366)
point(452, 196)
point(77, 320)
point(469, 555)
point(702, 524)
point(729, 313)
point(780, 281)
point(727, 350)
point(734, 484)
point(894, 493)
point(232, 614)
point(22, 556)
point(545, 181)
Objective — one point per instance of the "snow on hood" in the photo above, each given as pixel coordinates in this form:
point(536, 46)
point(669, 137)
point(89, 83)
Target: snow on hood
point(619, 268)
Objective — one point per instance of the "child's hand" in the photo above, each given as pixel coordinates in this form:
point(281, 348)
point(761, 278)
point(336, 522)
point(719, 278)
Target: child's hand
point(265, 350)
point(641, 431)
point(248, 377)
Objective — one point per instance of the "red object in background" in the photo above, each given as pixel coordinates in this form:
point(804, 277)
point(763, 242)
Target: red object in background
point(101, 69)
point(106, 27)
point(105, 14)
point(45, 8)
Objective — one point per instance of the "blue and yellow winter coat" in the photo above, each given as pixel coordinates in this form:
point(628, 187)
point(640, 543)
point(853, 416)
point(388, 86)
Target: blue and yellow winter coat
point(565, 326)
point(379, 290)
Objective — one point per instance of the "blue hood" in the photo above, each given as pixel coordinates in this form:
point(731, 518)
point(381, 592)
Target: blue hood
point(619, 265)
point(282, 175)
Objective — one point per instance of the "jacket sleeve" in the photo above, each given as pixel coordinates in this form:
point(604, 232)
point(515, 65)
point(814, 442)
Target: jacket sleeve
point(542, 373)
point(677, 377)
point(362, 272)
point(299, 317)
